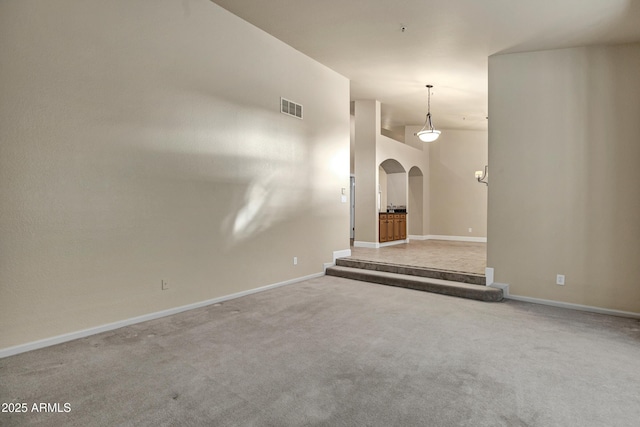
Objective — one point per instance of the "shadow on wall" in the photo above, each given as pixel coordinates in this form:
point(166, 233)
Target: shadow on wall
point(603, 20)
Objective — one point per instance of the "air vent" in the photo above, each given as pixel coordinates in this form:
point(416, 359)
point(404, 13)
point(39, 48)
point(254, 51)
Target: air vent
point(290, 108)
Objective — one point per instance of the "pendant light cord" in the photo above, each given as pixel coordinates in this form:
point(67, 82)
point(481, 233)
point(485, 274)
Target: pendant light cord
point(428, 134)
point(429, 108)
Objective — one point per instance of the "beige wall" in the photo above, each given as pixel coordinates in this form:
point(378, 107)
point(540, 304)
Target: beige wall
point(143, 141)
point(457, 201)
point(451, 200)
point(372, 148)
point(397, 184)
point(408, 157)
point(367, 127)
point(382, 186)
point(417, 201)
point(564, 195)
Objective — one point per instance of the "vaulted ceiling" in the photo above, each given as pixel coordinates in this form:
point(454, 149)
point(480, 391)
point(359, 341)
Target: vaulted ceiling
point(445, 43)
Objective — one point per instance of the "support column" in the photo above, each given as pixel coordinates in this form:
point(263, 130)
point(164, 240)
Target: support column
point(367, 127)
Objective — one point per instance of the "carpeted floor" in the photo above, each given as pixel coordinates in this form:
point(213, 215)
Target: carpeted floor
point(468, 257)
point(336, 352)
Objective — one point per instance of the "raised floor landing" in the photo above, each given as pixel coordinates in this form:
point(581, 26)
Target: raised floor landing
point(467, 257)
point(444, 267)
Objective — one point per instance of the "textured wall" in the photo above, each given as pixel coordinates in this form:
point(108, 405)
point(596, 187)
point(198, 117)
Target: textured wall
point(143, 141)
point(367, 127)
point(458, 202)
point(564, 195)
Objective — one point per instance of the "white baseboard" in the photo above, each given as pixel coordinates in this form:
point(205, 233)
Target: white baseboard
point(393, 243)
point(457, 238)
point(377, 245)
point(418, 237)
point(370, 245)
point(503, 286)
point(34, 345)
point(341, 254)
point(579, 307)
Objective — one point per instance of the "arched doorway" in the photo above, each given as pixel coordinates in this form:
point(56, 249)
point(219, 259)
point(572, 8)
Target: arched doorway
point(392, 186)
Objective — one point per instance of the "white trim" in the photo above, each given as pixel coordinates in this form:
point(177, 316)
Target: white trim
point(503, 286)
point(377, 245)
point(488, 273)
point(417, 237)
point(392, 243)
point(371, 245)
point(458, 238)
point(341, 254)
point(46, 342)
point(579, 307)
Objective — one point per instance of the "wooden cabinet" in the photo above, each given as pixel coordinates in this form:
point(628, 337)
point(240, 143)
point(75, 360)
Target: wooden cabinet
point(402, 220)
point(382, 228)
point(396, 227)
point(392, 226)
point(386, 227)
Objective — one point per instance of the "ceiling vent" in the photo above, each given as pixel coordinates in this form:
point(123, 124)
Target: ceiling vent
point(290, 108)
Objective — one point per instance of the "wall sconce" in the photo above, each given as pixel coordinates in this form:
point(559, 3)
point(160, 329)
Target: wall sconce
point(481, 176)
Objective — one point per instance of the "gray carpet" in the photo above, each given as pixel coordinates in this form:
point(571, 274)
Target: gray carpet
point(336, 352)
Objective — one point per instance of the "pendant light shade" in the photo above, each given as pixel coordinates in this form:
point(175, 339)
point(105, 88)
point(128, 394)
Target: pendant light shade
point(428, 133)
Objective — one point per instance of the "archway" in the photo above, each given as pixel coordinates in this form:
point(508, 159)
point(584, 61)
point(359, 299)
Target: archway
point(392, 186)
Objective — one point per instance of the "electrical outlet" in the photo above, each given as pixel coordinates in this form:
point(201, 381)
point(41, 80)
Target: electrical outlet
point(470, 230)
point(560, 279)
point(295, 260)
point(165, 285)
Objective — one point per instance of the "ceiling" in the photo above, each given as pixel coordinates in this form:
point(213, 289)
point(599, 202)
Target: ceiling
point(445, 43)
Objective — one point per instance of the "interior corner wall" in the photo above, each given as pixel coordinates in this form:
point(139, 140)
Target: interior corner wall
point(417, 202)
point(424, 229)
point(564, 176)
point(142, 142)
point(383, 189)
point(458, 202)
point(352, 145)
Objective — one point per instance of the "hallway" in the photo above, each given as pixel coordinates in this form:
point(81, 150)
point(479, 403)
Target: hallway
point(468, 257)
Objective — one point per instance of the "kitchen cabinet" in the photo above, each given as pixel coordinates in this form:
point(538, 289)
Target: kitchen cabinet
point(392, 226)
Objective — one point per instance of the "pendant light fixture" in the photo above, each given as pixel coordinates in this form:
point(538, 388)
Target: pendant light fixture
point(428, 133)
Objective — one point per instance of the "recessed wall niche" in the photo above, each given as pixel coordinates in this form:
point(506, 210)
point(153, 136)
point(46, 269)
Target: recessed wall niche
point(392, 186)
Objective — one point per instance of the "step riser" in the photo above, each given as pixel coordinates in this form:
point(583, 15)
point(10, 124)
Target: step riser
point(453, 276)
point(480, 294)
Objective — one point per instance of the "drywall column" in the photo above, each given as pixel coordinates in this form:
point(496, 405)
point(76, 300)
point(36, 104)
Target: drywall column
point(415, 202)
point(565, 200)
point(367, 114)
point(424, 230)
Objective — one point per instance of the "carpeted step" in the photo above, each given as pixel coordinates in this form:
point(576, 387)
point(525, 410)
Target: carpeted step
point(454, 276)
point(446, 287)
